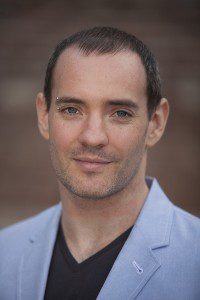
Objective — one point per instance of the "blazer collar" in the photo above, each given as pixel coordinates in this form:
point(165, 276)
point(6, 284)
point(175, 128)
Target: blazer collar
point(34, 265)
point(138, 260)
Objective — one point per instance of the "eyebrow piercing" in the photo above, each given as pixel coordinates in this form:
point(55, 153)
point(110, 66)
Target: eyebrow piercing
point(58, 108)
point(57, 98)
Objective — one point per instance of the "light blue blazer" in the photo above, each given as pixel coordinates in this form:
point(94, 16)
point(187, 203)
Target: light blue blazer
point(159, 261)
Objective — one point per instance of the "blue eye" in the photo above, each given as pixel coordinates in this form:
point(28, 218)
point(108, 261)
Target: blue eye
point(71, 110)
point(122, 114)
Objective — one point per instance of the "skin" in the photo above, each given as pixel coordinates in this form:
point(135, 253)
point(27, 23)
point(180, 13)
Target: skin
point(98, 145)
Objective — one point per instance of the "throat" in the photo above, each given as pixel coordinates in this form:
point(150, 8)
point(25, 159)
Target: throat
point(83, 253)
point(89, 227)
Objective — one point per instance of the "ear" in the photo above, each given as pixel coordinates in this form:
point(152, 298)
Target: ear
point(157, 123)
point(42, 114)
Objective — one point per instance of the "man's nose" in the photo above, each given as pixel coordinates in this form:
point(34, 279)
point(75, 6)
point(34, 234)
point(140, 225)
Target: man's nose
point(94, 133)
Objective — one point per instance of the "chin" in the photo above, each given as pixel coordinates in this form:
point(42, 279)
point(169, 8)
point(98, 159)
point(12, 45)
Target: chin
point(92, 189)
point(89, 193)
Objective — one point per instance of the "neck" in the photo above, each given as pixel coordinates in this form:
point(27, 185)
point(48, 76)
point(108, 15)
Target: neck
point(90, 225)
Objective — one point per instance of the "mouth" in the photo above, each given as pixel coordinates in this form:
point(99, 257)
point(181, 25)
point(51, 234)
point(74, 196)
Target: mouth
point(91, 165)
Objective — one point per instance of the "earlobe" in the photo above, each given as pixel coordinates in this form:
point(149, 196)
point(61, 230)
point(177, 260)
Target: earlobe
point(157, 123)
point(42, 114)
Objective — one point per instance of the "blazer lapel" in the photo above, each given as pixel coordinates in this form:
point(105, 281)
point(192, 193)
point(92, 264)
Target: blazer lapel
point(138, 261)
point(34, 265)
point(133, 268)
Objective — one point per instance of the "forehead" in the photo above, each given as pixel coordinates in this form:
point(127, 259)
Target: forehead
point(94, 75)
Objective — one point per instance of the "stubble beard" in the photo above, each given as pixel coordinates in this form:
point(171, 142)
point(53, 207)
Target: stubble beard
point(110, 186)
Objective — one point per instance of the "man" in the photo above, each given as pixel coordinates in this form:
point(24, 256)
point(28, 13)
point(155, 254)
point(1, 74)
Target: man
point(115, 234)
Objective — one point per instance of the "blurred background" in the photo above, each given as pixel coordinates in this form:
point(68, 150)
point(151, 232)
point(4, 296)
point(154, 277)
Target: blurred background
point(30, 29)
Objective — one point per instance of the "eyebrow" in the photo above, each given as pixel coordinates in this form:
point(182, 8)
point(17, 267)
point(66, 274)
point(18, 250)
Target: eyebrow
point(114, 102)
point(63, 100)
point(124, 102)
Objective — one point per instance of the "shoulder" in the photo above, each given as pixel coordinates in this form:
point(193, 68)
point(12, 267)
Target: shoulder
point(167, 217)
point(17, 235)
point(186, 226)
point(18, 240)
point(183, 248)
point(186, 220)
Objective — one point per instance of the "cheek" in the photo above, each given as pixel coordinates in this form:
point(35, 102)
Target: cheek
point(62, 135)
point(125, 140)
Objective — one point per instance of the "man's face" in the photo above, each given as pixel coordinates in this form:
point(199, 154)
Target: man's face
point(98, 122)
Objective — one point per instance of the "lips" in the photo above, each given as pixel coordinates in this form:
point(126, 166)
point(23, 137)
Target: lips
point(91, 164)
point(92, 160)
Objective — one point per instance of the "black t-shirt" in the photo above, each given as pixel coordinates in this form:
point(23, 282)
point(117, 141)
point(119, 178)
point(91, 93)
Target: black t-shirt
point(70, 280)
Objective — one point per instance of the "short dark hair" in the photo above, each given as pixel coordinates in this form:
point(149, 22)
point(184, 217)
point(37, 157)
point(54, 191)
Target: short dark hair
point(102, 40)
